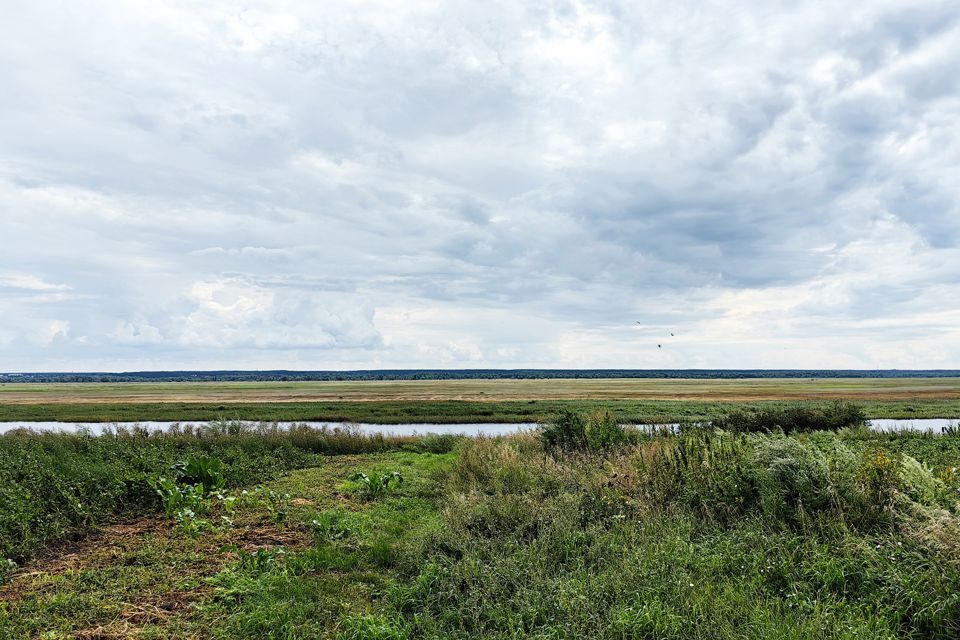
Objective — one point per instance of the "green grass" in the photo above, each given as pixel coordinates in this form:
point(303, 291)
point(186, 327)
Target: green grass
point(712, 535)
point(444, 401)
point(447, 411)
point(700, 536)
point(161, 583)
point(59, 486)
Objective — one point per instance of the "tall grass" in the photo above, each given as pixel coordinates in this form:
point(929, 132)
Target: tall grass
point(705, 534)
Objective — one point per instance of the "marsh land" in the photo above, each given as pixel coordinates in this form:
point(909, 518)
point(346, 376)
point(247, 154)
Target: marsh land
point(439, 401)
point(786, 522)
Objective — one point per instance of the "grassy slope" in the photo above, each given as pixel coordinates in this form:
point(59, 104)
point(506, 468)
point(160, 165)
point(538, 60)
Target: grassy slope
point(500, 541)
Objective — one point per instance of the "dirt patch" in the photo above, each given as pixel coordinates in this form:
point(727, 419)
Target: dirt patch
point(152, 610)
point(97, 548)
point(110, 545)
point(153, 598)
point(160, 608)
point(268, 536)
point(114, 631)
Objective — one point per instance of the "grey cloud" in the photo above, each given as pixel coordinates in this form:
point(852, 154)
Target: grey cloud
point(193, 185)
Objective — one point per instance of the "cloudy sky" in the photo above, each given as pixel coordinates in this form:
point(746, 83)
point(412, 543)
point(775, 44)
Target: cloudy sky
point(327, 185)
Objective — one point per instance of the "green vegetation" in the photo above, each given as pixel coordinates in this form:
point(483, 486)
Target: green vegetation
point(792, 419)
point(441, 412)
point(488, 400)
point(58, 486)
point(377, 485)
point(585, 529)
point(596, 432)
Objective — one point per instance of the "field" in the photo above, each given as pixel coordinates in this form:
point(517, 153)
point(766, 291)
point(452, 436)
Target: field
point(586, 529)
point(745, 390)
point(632, 399)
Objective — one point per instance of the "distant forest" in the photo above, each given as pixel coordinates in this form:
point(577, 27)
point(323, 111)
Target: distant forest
point(467, 374)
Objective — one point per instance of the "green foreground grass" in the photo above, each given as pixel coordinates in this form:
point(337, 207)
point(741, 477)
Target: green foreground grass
point(57, 487)
point(440, 412)
point(704, 534)
point(257, 578)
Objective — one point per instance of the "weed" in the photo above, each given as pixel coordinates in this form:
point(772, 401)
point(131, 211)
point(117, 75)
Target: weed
point(329, 526)
point(204, 471)
point(7, 567)
point(278, 506)
point(372, 628)
point(259, 561)
point(376, 486)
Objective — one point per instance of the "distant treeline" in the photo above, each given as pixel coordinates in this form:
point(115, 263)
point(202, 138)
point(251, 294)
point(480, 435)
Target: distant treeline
point(468, 374)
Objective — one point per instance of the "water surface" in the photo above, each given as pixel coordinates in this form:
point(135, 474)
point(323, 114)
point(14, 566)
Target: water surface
point(935, 425)
point(467, 429)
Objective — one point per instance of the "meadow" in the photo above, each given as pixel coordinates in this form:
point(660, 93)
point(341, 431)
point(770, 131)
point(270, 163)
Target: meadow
point(784, 523)
point(450, 401)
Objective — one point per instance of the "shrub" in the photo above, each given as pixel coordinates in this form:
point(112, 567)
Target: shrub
point(791, 477)
point(597, 432)
point(435, 443)
point(797, 419)
point(919, 483)
point(567, 431)
point(501, 465)
point(604, 432)
point(705, 471)
point(682, 536)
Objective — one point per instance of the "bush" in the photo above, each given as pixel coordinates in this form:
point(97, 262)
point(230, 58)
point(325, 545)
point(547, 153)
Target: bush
point(791, 477)
point(502, 466)
point(597, 432)
point(435, 443)
point(799, 419)
point(919, 483)
point(604, 432)
point(567, 431)
point(204, 471)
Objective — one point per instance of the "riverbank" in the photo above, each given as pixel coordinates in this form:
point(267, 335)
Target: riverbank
point(439, 412)
point(848, 534)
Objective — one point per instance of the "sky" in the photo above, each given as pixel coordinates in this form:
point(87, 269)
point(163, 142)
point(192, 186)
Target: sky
point(382, 184)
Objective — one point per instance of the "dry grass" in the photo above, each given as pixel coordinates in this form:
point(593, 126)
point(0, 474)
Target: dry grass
point(748, 390)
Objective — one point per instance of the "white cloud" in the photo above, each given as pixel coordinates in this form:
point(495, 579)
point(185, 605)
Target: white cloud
point(343, 184)
point(236, 314)
point(28, 282)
